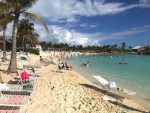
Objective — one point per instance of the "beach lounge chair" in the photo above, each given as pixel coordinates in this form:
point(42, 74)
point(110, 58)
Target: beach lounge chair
point(13, 103)
point(27, 80)
point(3, 87)
point(12, 109)
point(112, 85)
point(101, 80)
point(14, 87)
point(105, 83)
point(29, 85)
point(13, 100)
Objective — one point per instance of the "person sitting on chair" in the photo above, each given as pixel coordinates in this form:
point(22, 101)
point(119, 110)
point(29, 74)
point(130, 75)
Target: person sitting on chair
point(60, 67)
point(68, 67)
point(24, 76)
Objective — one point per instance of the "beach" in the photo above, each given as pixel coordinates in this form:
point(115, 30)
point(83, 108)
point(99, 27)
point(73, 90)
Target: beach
point(70, 92)
point(74, 56)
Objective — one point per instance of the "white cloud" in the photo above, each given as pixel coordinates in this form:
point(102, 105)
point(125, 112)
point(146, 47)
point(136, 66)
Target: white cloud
point(62, 35)
point(145, 3)
point(67, 11)
point(72, 20)
point(8, 31)
point(132, 31)
point(85, 25)
point(55, 10)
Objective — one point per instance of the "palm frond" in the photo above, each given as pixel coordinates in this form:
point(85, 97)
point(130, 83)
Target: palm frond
point(36, 18)
point(5, 8)
point(5, 19)
point(21, 4)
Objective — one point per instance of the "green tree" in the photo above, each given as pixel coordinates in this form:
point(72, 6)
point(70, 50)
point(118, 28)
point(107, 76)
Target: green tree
point(16, 8)
point(26, 33)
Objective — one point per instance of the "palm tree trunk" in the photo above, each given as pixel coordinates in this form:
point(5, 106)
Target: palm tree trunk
point(13, 61)
point(4, 43)
point(23, 44)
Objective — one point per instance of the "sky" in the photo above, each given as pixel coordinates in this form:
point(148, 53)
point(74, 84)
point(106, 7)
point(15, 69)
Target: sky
point(94, 22)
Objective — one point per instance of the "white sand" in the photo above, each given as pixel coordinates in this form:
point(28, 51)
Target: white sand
point(62, 93)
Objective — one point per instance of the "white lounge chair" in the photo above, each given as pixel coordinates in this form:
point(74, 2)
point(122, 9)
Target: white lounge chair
point(105, 83)
point(15, 87)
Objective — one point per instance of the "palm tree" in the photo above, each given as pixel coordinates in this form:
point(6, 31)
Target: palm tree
point(33, 39)
point(25, 31)
point(18, 7)
point(4, 20)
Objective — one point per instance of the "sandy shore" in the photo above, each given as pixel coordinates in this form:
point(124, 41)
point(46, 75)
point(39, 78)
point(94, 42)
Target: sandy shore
point(66, 93)
point(69, 92)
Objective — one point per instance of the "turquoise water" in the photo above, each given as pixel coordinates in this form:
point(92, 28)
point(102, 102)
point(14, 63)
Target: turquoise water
point(134, 76)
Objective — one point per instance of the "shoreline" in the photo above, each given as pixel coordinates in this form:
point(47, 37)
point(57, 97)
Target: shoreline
point(82, 85)
point(136, 99)
point(80, 88)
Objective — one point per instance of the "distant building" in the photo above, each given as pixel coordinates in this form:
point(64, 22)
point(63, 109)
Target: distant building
point(138, 49)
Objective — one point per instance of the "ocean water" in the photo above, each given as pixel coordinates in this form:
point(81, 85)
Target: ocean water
point(134, 76)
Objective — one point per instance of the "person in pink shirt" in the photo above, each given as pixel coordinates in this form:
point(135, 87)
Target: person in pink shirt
point(24, 76)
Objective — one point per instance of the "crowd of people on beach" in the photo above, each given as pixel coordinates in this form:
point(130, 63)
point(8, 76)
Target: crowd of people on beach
point(61, 62)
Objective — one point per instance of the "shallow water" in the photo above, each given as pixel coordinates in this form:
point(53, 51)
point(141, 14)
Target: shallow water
point(135, 75)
